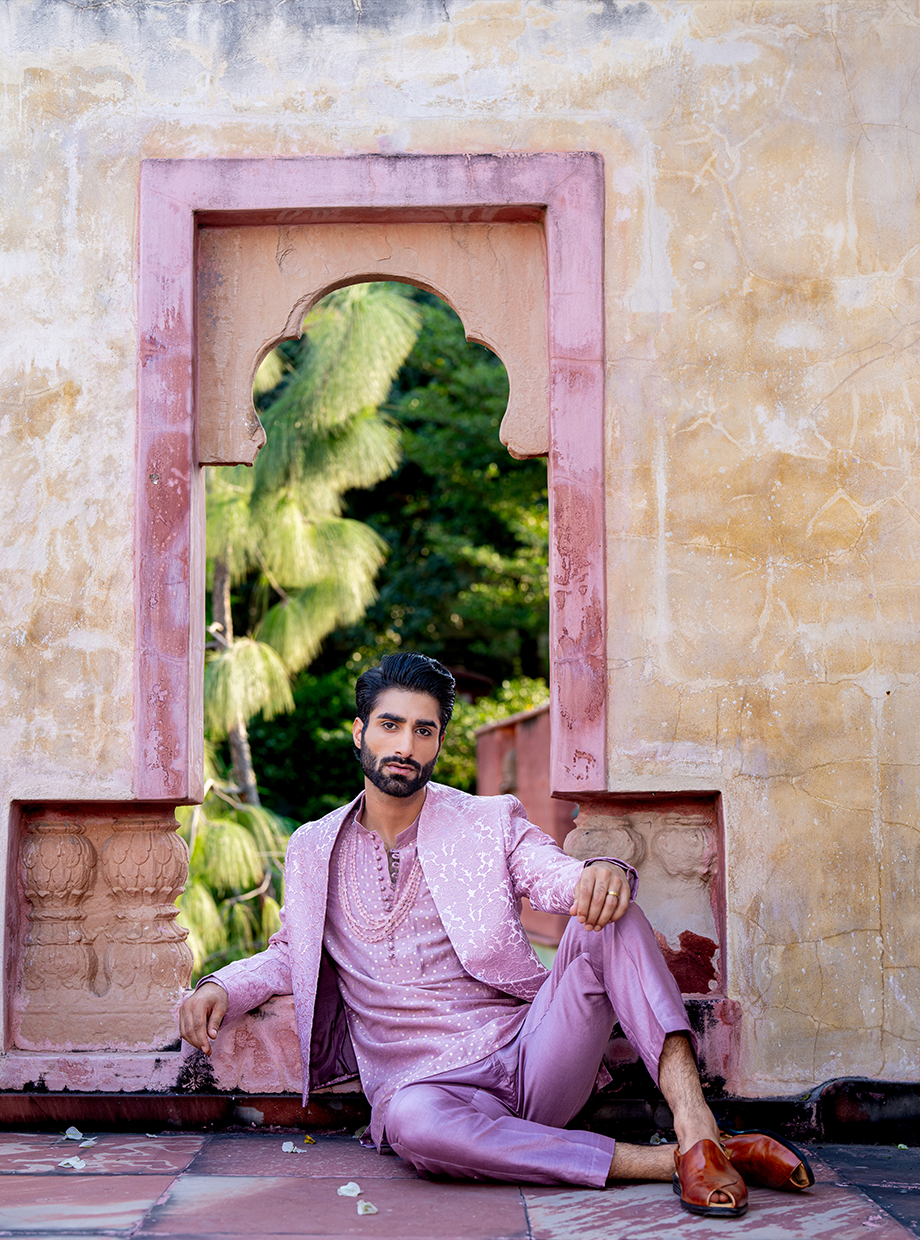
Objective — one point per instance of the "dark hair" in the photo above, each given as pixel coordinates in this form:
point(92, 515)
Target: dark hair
point(415, 672)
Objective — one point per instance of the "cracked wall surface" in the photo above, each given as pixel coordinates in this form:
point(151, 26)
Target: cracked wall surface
point(762, 316)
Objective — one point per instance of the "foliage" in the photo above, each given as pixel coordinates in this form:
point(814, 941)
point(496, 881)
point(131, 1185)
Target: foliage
point(280, 524)
point(232, 899)
point(457, 761)
point(278, 531)
point(466, 525)
point(241, 679)
point(305, 760)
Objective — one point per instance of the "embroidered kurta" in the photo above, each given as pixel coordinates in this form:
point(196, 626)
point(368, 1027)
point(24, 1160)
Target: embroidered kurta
point(412, 1009)
point(479, 856)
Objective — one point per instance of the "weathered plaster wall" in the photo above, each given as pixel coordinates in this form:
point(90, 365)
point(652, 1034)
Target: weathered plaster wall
point(763, 252)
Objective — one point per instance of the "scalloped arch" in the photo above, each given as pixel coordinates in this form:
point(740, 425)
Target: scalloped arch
point(256, 284)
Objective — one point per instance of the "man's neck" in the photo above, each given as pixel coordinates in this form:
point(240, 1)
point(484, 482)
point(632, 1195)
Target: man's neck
point(387, 815)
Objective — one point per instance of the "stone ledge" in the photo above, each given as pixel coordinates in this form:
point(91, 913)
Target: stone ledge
point(842, 1112)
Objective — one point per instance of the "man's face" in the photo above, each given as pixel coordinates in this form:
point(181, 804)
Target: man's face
point(400, 744)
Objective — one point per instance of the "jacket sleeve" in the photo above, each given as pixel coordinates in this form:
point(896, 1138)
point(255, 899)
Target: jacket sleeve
point(541, 871)
point(249, 983)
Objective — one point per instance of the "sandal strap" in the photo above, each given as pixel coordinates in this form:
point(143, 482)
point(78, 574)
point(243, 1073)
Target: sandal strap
point(705, 1170)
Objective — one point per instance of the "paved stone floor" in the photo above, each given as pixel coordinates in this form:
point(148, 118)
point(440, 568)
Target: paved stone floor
point(244, 1184)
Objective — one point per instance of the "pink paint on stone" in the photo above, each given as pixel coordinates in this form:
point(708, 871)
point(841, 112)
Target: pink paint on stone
point(566, 192)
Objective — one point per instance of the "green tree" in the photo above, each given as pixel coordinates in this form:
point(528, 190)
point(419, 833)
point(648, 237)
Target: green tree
point(277, 533)
point(281, 523)
point(465, 580)
point(466, 525)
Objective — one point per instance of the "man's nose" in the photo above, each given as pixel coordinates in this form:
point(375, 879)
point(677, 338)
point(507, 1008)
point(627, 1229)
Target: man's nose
point(404, 743)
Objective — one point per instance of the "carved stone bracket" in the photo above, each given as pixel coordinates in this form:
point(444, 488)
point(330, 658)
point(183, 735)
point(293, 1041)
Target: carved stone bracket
point(103, 963)
point(676, 851)
point(145, 865)
point(58, 871)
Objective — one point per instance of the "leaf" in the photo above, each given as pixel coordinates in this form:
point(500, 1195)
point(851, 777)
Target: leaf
point(242, 925)
point(297, 626)
point(199, 914)
point(269, 831)
point(229, 856)
point(271, 918)
point(242, 680)
point(457, 760)
point(270, 372)
point(352, 353)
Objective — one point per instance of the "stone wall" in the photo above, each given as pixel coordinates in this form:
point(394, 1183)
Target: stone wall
point(762, 503)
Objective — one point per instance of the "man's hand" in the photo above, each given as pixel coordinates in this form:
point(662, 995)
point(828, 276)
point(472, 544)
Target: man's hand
point(201, 1013)
point(601, 895)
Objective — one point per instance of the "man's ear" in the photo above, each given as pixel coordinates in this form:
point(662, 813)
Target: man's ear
point(357, 731)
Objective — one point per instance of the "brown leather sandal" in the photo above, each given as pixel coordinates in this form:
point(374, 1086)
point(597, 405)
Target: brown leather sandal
point(703, 1171)
point(767, 1160)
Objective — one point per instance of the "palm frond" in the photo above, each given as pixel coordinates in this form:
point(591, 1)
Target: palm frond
point(361, 454)
point(357, 347)
point(229, 526)
point(242, 925)
point(242, 680)
point(229, 857)
point(299, 551)
point(352, 354)
point(271, 918)
point(270, 831)
point(199, 914)
point(270, 373)
point(297, 626)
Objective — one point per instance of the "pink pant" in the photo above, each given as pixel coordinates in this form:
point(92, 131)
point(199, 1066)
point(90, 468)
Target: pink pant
point(503, 1118)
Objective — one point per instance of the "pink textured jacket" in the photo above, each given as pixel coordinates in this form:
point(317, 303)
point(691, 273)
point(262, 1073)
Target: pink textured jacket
point(479, 856)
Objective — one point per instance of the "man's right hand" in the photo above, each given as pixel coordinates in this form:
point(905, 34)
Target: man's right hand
point(201, 1013)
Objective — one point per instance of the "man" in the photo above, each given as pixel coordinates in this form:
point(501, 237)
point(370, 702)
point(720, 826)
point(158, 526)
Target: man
point(403, 948)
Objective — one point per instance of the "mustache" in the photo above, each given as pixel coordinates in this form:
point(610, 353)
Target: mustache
point(417, 766)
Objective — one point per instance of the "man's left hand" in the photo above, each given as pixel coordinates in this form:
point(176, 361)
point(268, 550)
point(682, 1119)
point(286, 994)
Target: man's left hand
point(601, 895)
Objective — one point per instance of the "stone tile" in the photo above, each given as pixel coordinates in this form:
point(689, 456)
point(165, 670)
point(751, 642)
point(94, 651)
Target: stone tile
point(260, 1154)
point(75, 1202)
point(31, 1152)
point(823, 1172)
point(902, 1203)
point(881, 1165)
point(650, 1211)
point(113, 1154)
point(408, 1209)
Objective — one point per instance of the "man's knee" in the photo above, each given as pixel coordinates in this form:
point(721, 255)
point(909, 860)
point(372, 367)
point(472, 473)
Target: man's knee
point(410, 1118)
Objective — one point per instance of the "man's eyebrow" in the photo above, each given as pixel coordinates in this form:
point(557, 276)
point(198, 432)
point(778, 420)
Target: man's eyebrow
point(419, 723)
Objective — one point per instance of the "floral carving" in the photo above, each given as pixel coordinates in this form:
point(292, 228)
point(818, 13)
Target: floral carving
point(145, 865)
point(58, 870)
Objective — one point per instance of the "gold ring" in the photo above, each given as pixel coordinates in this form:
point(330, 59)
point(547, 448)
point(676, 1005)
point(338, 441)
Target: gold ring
point(611, 893)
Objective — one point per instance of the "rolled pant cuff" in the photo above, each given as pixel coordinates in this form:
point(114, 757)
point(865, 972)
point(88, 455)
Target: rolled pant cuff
point(598, 1157)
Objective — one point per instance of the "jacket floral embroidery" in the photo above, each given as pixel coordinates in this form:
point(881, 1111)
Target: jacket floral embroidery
point(479, 856)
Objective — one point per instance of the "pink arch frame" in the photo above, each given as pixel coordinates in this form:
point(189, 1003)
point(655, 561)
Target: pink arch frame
point(566, 192)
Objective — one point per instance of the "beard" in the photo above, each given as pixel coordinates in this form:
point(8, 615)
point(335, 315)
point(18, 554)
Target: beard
point(391, 784)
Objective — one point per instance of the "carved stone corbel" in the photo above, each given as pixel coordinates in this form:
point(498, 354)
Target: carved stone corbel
point(103, 963)
point(145, 865)
point(58, 871)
